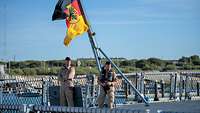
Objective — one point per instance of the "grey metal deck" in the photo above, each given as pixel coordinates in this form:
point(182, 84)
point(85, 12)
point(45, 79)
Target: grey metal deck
point(187, 106)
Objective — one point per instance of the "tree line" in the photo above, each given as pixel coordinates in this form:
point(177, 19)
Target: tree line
point(88, 65)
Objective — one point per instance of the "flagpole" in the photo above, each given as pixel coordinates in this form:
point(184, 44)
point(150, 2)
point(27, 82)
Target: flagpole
point(90, 35)
point(95, 51)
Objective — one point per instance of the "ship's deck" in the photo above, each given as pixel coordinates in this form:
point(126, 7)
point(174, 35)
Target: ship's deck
point(187, 106)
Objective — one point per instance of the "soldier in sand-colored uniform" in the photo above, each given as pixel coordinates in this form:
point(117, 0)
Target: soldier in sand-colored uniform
point(66, 77)
point(107, 81)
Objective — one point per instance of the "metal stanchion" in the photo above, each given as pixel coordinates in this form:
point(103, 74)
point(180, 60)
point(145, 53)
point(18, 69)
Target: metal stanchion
point(156, 91)
point(175, 82)
point(171, 86)
point(187, 90)
point(136, 86)
point(162, 88)
point(198, 88)
point(181, 87)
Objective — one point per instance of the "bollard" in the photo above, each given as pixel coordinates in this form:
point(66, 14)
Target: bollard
point(162, 88)
point(156, 91)
point(197, 88)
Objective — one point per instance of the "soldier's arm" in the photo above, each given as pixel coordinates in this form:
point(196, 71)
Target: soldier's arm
point(71, 73)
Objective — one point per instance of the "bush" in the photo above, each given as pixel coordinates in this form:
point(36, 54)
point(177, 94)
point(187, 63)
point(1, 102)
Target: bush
point(53, 71)
point(2, 63)
point(86, 70)
point(29, 71)
point(41, 71)
point(169, 67)
point(187, 67)
point(184, 60)
point(129, 69)
point(16, 72)
point(196, 67)
point(33, 64)
point(156, 61)
point(55, 63)
point(127, 63)
point(141, 64)
point(147, 67)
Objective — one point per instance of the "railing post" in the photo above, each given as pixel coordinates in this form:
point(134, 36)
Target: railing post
point(162, 82)
point(142, 83)
point(156, 91)
point(90, 89)
point(171, 86)
point(126, 89)
point(197, 88)
point(181, 87)
point(183, 83)
point(129, 89)
point(175, 82)
point(93, 89)
point(47, 90)
point(144, 88)
point(136, 86)
point(44, 92)
point(187, 90)
point(87, 95)
point(1, 95)
point(191, 82)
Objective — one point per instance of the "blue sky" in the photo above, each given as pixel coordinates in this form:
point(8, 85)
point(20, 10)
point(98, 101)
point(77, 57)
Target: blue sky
point(134, 29)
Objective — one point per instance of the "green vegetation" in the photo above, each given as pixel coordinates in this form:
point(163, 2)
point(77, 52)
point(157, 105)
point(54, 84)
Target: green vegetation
point(88, 65)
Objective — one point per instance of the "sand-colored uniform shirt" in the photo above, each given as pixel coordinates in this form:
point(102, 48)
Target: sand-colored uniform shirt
point(66, 76)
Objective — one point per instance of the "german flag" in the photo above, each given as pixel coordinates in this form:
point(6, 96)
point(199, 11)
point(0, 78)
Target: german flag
point(74, 21)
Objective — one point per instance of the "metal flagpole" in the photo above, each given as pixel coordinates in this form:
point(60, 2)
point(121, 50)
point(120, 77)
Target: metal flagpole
point(95, 51)
point(90, 35)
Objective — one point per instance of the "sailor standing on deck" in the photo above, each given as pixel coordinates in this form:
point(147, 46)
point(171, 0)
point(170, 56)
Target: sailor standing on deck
point(66, 77)
point(107, 81)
